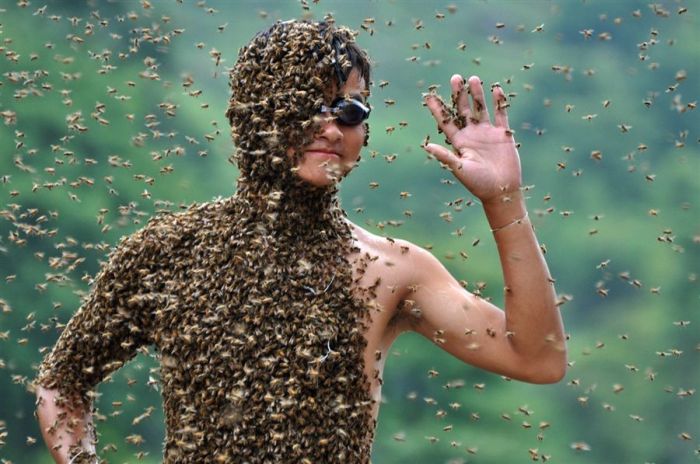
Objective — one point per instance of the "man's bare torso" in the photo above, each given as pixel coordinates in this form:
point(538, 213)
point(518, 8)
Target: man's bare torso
point(383, 259)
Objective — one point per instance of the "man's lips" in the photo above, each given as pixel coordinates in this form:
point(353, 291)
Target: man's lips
point(322, 154)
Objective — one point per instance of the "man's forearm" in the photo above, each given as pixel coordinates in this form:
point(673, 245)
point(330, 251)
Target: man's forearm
point(532, 315)
point(64, 429)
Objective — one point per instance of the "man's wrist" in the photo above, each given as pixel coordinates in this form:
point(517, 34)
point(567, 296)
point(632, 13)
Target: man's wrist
point(505, 209)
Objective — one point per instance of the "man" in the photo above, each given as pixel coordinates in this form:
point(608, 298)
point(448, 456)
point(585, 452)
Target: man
point(272, 312)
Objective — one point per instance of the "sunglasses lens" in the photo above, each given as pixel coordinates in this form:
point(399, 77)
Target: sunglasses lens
point(349, 112)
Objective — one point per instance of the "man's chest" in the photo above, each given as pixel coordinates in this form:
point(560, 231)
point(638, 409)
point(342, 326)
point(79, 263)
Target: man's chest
point(379, 281)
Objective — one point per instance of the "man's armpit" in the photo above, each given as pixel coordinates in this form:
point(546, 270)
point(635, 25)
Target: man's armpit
point(408, 316)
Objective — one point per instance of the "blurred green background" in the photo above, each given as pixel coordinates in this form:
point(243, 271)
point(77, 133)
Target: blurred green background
point(113, 110)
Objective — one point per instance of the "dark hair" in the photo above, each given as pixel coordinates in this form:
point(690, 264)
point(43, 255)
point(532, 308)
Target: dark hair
point(357, 57)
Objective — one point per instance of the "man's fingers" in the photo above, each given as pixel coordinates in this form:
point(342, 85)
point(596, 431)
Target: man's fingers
point(460, 96)
point(444, 155)
point(480, 112)
point(500, 105)
point(441, 115)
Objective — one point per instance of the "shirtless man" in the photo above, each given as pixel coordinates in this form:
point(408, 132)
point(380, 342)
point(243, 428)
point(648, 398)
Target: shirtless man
point(271, 311)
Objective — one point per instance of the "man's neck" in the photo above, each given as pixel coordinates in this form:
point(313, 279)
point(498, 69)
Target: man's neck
point(291, 206)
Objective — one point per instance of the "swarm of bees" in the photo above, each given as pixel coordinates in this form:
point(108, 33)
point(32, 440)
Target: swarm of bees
point(285, 339)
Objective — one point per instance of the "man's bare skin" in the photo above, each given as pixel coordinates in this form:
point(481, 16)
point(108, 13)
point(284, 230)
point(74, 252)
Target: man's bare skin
point(415, 292)
point(370, 265)
point(406, 301)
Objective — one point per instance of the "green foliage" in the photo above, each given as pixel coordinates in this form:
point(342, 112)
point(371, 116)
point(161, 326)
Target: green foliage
point(622, 232)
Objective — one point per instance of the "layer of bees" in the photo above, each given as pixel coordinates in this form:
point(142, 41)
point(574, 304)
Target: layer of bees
point(261, 352)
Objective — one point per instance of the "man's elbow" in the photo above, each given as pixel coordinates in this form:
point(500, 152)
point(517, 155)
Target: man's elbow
point(544, 369)
point(549, 372)
point(548, 377)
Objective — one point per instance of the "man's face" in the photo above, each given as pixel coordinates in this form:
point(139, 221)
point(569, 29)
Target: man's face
point(336, 147)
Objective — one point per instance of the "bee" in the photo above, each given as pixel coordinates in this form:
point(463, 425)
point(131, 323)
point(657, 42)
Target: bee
point(580, 446)
point(624, 127)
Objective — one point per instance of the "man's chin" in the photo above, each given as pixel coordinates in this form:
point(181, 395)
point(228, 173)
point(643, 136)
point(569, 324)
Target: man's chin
point(322, 179)
point(322, 184)
point(319, 182)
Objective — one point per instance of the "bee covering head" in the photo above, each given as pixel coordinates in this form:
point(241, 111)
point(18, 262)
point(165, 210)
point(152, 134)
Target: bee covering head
point(280, 80)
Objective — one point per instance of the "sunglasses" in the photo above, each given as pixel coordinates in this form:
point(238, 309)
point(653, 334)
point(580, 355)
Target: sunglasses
point(347, 111)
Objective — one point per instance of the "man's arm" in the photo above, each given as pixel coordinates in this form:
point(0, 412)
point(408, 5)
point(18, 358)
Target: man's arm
point(525, 342)
point(112, 323)
point(64, 428)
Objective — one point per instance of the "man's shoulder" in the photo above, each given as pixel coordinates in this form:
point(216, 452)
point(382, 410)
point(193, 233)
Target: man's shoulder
point(167, 228)
point(193, 216)
point(398, 250)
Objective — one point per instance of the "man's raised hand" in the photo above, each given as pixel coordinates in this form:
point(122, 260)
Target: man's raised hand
point(483, 156)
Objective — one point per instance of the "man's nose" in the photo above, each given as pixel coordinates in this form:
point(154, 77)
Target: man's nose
point(330, 130)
